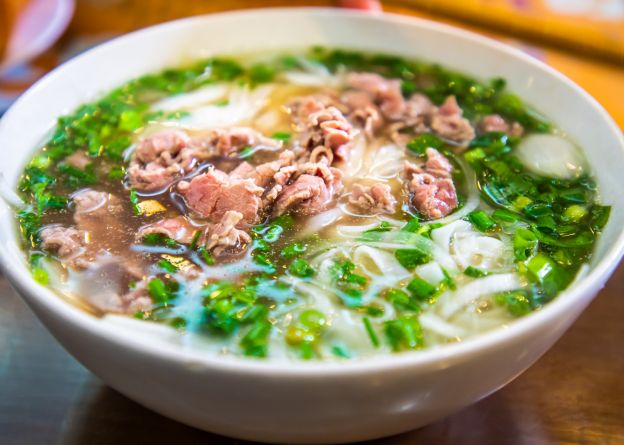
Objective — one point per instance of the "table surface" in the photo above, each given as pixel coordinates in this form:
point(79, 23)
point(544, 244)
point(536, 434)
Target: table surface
point(572, 395)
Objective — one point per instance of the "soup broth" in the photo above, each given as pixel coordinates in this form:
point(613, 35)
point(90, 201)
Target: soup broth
point(326, 204)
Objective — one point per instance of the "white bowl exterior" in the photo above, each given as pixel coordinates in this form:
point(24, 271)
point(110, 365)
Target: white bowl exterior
point(309, 402)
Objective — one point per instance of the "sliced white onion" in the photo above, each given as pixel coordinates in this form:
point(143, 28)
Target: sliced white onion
point(551, 155)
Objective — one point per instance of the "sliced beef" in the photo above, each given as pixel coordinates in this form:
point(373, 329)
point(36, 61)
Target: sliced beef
point(419, 112)
point(78, 159)
point(495, 122)
point(431, 187)
point(225, 238)
point(66, 242)
point(377, 198)
point(178, 229)
point(160, 159)
point(311, 191)
point(104, 283)
point(363, 111)
point(264, 174)
point(96, 211)
point(212, 194)
point(164, 157)
point(321, 124)
point(449, 123)
point(230, 141)
point(308, 195)
point(386, 93)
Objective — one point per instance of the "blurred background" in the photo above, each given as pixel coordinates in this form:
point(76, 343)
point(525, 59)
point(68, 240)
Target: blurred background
point(582, 38)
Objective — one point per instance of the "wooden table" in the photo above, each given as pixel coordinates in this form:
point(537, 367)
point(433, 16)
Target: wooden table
point(573, 395)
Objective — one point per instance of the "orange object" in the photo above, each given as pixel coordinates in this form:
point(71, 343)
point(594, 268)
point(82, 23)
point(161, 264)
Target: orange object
point(593, 27)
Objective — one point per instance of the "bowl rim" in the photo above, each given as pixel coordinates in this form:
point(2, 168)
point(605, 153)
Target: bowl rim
point(581, 289)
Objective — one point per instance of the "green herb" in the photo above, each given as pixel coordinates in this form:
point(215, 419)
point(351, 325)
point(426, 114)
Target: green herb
point(404, 333)
point(195, 239)
point(246, 152)
point(474, 272)
point(305, 332)
point(481, 221)
point(206, 257)
point(504, 216)
point(75, 177)
point(160, 293)
point(256, 341)
point(516, 302)
point(340, 351)
point(40, 274)
point(134, 201)
point(420, 144)
point(160, 239)
point(261, 73)
point(375, 234)
point(167, 266)
point(116, 174)
point(371, 332)
point(525, 244)
point(412, 225)
point(292, 250)
point(421, 289)
point(410, 258)
point(301, 268)
point(550, 275)
point(401, 300)
point(281, 136)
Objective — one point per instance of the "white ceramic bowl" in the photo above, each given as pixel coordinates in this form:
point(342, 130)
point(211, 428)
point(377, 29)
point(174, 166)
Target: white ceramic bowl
point(309, 402)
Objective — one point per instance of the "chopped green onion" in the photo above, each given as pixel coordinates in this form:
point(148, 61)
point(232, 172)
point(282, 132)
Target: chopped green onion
point(293, 250)
point(474, 272)
point(168, 266)
point(208, 259)
point(410, 258)
point(404, 333)
point(195, 239)
point(281, 136)
point(371, 332)
point(420, 144)
point(134, 201)
point(421, 289)
point(301, 268)
point(481, 221)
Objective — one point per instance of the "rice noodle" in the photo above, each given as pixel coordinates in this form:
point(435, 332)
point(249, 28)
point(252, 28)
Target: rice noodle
point(8, 195)
point(318, 222)
point(432, 322)
point(451, 302)
point(430, 272)
point(243, 104)
point(193, 99)
point(387, 265)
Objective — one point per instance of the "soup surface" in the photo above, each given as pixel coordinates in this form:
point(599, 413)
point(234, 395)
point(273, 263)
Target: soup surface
point(326, 204)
